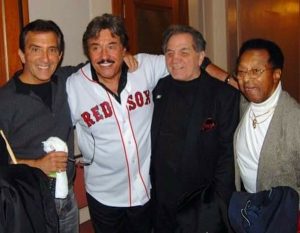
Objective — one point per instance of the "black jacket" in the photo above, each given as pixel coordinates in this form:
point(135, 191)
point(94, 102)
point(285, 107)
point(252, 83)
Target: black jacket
point(25, 201)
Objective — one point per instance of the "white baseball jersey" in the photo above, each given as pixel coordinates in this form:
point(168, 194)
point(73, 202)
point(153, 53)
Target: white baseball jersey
point(119, 174)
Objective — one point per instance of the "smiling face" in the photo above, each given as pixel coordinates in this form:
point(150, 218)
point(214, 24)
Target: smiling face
point(182, 60)
point(258, 88)
point(106, 54)
point(41, 57)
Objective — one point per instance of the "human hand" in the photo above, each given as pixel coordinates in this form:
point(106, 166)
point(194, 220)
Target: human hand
point(131, 62)
point(54, 161)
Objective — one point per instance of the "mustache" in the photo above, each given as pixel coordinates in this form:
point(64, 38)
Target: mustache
point(105, 61)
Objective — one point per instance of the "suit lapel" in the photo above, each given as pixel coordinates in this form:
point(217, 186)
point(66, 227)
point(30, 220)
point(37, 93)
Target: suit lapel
point(160, 98)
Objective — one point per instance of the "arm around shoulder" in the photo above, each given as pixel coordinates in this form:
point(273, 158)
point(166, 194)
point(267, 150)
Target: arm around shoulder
point(218, 73)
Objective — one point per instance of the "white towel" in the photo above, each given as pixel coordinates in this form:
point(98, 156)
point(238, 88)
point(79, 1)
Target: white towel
point(61, 186)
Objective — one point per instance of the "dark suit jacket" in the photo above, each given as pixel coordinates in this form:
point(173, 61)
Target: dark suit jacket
point(208, 155)
point(26, 204)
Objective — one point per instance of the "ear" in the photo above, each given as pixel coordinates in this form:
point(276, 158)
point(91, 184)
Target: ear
point(277, 75)
point(60, 56)
point(21, 56)
point(201, 57)
point(124, 51)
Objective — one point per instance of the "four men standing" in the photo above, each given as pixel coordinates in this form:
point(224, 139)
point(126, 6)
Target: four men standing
point(194, 119)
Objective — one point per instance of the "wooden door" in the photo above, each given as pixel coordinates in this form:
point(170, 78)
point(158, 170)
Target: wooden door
point(14, 15)
point(146, 20)
point(276, 20)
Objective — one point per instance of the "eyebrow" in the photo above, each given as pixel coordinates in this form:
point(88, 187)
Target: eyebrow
point(185, 48)
point(113, 42)
point(96, 43)
point(38, 46)
point(181, 49)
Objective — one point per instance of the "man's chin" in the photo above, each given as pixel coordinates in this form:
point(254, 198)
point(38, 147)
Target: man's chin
point(108, 75)
point(179, 77)
point(253, 99)
point(44, 75)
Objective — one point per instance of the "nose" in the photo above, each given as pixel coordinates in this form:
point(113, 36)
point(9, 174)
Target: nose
point(45, 55)
point(176, 56)
point(104, 53)
point(248, 78)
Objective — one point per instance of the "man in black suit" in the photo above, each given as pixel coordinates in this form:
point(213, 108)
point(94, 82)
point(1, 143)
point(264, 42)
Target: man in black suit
point(194, 120)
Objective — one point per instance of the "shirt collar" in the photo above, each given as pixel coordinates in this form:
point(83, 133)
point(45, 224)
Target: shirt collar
point(271, 102)
point(22, 89)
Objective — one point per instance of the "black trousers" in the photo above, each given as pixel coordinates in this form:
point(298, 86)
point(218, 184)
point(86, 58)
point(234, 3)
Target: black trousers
point(164, 218)
point(107, 219)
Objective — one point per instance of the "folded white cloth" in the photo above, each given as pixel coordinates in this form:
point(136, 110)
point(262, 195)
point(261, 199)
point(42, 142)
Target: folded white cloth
point(61, 186)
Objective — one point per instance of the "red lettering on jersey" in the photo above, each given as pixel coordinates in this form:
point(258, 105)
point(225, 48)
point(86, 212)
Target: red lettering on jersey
point(106, 109)
point(96, 113)
point(147, 95)
point(131, 103)
point(87, 119)
point(139, 99)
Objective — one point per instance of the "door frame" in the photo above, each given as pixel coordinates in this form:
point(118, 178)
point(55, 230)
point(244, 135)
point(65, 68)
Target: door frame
point(14, 15)
point(180, 15)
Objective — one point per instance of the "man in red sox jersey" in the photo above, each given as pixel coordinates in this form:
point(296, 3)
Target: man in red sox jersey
point(112, 111)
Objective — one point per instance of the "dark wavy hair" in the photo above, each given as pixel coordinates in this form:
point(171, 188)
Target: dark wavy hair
point(107, 21)
point(41, 25)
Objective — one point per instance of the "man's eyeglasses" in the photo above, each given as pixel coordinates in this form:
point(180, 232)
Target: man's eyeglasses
point(81, 161)
point(253, 73)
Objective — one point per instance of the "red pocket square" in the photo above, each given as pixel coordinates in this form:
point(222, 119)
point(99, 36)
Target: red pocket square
point(208, 125)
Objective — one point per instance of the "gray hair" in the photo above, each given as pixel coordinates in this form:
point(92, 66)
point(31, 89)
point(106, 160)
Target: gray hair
point(199, 42)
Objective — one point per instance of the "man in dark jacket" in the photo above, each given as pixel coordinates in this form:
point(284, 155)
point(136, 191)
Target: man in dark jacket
point(34, 107)
point(192, 134)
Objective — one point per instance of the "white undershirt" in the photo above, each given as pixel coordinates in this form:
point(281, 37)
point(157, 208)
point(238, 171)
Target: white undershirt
point(250, 140)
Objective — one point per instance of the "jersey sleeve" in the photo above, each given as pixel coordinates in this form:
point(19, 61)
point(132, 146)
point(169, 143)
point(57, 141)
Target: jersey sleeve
point(72, 94)
point(154, 66)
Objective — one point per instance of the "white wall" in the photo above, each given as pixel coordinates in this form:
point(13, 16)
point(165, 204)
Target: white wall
point(218, 28)
point(209, 17)
point(196, 15)
point(72, 16)
point(99, 7)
